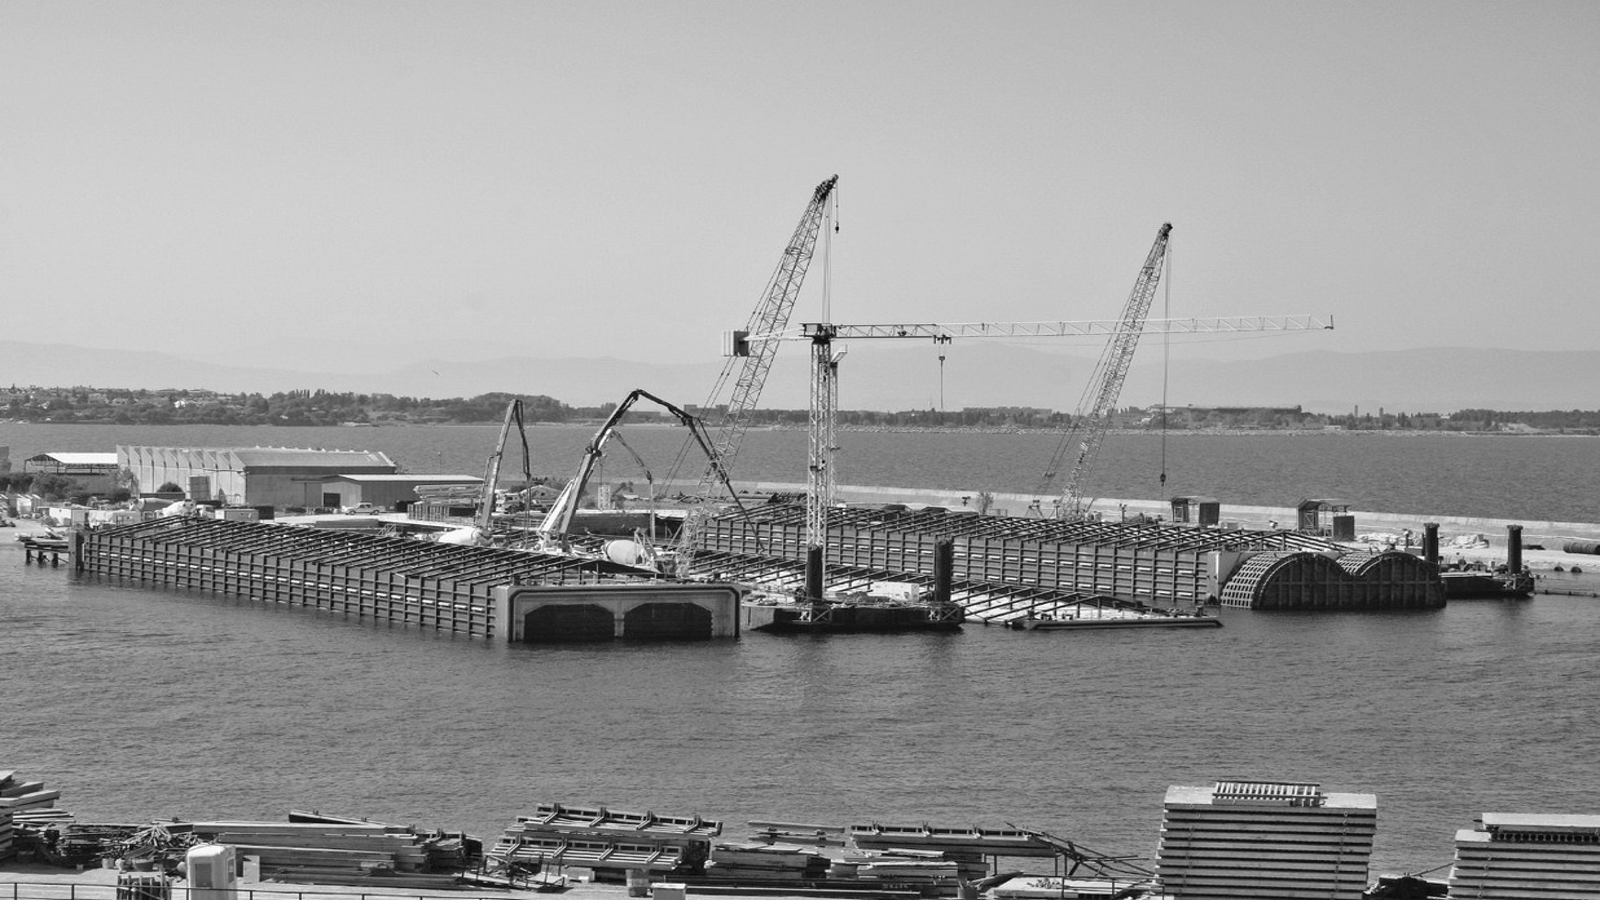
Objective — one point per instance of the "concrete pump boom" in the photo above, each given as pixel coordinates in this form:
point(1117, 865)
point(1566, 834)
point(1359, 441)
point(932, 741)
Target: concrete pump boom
point(491, 472)
point(553, 530)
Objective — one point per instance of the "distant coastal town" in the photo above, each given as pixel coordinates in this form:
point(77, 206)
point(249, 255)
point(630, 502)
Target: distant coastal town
point(123, 406)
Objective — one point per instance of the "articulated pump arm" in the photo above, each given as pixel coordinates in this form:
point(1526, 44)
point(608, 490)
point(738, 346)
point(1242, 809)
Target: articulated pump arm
point(491, 473)
point(1089, 426)
point(558, 520)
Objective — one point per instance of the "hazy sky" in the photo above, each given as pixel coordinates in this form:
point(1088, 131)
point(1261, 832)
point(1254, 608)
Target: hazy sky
point(267, 181)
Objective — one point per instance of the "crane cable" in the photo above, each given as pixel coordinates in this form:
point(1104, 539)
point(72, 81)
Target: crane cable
point(1166, 363)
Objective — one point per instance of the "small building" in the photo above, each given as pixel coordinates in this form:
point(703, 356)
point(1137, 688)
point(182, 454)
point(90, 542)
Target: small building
point(247, 476)
point(1238, 839)
point(382, 491)
point(1329, 518)
point(1528, 856)
point(97, 472)
point(1203, 511)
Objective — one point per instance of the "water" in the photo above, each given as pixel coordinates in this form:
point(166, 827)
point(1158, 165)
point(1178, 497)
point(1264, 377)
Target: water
point(1534, 478)
point(142, 704)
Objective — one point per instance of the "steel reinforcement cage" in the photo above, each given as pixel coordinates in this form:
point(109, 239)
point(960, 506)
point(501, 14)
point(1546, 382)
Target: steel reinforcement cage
point(398, 580)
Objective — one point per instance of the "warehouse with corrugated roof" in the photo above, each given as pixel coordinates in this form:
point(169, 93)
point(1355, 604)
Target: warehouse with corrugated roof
point(95, 471)
point(247, 476)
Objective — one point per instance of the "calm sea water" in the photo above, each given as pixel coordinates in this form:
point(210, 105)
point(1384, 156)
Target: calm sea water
point(1536, 478)
point(141, 703)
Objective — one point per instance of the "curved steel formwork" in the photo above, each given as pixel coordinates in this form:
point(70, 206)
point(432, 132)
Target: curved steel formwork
point(1362, 580)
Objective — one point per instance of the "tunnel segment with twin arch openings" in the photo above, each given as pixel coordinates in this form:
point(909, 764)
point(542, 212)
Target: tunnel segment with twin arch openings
point(1356, 580)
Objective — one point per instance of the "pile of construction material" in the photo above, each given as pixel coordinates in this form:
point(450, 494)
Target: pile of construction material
point(27, 813)
point(339, 850)
point(607, 843)
point(904, 868)
point(755, 862)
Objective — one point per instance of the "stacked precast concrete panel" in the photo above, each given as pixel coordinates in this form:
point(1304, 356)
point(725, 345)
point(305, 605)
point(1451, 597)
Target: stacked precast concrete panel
point(1528, 857)
point(1238, 840)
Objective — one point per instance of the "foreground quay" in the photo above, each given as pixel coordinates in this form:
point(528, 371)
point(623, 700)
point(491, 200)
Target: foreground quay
point(1231, 840)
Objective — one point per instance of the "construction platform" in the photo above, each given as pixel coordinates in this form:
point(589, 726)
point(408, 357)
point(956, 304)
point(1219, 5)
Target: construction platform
point(1009, 568)
point(476, 591)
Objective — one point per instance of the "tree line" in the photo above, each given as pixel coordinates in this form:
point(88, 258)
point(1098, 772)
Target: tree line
point(319, 407)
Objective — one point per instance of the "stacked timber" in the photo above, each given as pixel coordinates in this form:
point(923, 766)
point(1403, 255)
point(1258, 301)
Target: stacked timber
point(608, 842)
point(26, 810)
point(340, 852)
point(7, 846)
point(924, 869)
point(794, 833)
point(990, 841)
point(755, 862)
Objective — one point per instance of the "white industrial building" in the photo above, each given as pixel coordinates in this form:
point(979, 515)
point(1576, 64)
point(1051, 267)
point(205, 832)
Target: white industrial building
point(1238, 840)
point(382, 491)
point(97, 472)
point(247, 476)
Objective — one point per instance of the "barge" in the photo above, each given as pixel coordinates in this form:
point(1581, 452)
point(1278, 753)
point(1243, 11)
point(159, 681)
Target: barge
point(761, 611)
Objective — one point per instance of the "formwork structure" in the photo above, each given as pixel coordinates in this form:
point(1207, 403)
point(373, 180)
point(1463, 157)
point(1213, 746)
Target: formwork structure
point(1046, 560)
point(440, 586)
point(1237, 840)
point(1358, 580)
point(1528, 856)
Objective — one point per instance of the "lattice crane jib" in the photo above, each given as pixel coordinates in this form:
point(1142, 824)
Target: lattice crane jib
point(753, 359)
point(1089, 426)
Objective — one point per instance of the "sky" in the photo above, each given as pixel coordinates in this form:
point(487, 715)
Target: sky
point(341, 185)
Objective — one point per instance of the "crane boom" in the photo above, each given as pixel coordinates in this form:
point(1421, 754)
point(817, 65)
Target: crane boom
point(946, 332)
point(770, 315)
point(1089, 426)
point(491, 472)
point(558, 520)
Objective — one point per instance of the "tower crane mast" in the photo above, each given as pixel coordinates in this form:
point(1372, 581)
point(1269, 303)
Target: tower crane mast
point(1089, 426)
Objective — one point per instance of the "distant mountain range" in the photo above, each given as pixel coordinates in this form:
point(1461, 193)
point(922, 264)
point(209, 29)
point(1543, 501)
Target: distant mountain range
point(894, 377)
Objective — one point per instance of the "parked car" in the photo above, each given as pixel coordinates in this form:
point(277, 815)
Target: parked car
point(363, 508)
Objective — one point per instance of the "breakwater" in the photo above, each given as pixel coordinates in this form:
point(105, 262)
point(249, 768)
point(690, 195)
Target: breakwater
point(1552, 534)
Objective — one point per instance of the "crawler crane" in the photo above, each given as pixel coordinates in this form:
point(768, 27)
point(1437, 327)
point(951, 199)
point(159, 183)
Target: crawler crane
point(754, 361)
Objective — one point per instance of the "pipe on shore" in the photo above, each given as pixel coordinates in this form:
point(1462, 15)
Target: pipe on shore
point(1430, 542)
point(1513, 548)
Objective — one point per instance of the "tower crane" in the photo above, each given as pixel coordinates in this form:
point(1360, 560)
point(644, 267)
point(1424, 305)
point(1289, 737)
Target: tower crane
point(821, 479)
point(753, 362)
point(1106, 385)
